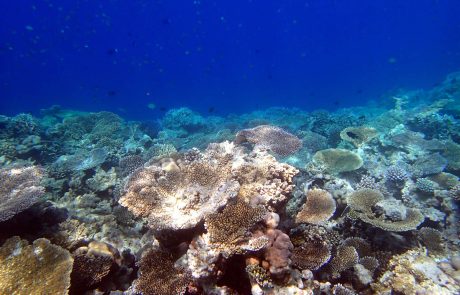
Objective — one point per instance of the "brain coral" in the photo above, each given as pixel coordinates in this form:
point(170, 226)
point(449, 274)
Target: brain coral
point(358, 135)
point(40, 268)
point(338, 160)
point(19, 190)
point(270, 137)
point(319, 207)
point(179, 193)
point(159, 276)
point(362, 204)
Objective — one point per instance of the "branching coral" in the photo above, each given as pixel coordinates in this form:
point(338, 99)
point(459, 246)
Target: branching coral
point(362, 204)
point(319, 207)
point(270, 137)
point(338, 160)
point(358, 135)
point(159, 276)
point(40, 268)
point(20, 189)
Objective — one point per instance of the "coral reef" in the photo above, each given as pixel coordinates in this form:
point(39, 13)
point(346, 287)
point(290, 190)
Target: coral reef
point(361, 200)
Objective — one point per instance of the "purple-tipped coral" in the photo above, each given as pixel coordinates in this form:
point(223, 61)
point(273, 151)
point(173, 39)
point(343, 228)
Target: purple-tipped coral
point(270, 137)
point(20, 189)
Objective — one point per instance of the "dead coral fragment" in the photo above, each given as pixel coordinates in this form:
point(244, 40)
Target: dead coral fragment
point(413, 272)
point(20, 189)
point(318, 208)
point(270, 137)
point(177, 194)
point(338, 160)
point(358, 135)
point(40, 268)
point(230, 228)
point(159, 276)
point(362, 204)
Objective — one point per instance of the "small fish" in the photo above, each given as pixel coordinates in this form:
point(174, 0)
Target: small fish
point(112, 51)
point(211, 110)
point(162, 109)
point(111, 93)
point(151, 106)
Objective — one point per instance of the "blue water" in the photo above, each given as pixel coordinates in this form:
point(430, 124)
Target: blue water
point(220, 56)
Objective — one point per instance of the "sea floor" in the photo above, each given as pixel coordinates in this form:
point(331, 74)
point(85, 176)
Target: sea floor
point(362, 200)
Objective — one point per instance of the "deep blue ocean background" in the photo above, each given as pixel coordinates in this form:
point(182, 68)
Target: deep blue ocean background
point(220, 56)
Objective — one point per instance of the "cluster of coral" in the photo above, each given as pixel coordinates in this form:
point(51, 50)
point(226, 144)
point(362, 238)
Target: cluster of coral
point(280, 201)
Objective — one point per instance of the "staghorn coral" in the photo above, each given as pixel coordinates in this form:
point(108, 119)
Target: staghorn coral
point(177, 194)
point(20, 189)
point(362, 204)
point(228, 230)
point(338, 160)
point(159, 276)
point(413, 272)
point(318, 208)
point(40, 268)
point(311, 256)
point(270, 137)
point(358, 135)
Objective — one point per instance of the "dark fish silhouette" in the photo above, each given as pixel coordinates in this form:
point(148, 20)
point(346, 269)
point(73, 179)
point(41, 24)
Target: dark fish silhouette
point(111, 93)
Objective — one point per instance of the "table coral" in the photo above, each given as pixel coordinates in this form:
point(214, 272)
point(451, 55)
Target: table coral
point(358, 135)
point(20, 189)
point(270, 137)
point(362, 204)
point(40, 268)
point(318, 208)
point(338, 160)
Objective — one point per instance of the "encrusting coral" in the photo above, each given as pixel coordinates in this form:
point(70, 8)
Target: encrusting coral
point(40, 268)
point(270, 137)
point(20, 189)
point(319, 207)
